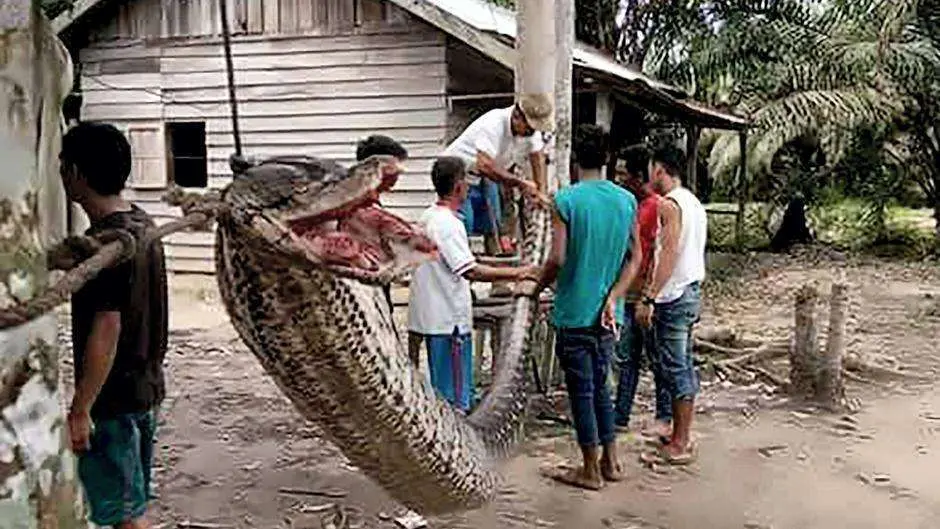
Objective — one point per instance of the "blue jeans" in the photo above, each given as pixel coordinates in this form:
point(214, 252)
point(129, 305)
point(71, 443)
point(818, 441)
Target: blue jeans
point(115, 471)
point(476, 211)
point(584, 355)
point(672, 336)
point(634, 342)
point(450, 360)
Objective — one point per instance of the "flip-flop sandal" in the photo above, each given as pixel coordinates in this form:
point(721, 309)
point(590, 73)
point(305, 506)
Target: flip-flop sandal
point(564, 474)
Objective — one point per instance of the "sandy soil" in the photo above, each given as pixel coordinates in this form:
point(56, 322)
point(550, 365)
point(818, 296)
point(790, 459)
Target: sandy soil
point(229, 442)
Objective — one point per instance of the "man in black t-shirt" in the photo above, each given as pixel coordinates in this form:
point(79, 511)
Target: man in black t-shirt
point(119, 335)
point(379, 145)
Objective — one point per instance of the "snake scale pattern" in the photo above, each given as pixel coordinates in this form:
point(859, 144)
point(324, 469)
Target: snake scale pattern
point(330, 345)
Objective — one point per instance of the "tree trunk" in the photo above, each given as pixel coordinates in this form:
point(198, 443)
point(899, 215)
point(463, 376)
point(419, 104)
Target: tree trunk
point(830, 389)
point(936, 216)
point(564, 30)
point(38, 487)
point(804, 354)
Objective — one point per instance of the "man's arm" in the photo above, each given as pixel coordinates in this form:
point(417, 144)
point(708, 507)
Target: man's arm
point(488, 166)
point(537, 161)
point(487, 273)
point(631, 265)
point(671, 225)
point(99, 357)
point(556, 256)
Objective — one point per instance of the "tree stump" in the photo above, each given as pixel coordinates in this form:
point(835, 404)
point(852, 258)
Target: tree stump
point(830, 389)
point(804, 359)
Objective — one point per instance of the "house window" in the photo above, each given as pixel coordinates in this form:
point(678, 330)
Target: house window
point(188, 164)
point(146, 157)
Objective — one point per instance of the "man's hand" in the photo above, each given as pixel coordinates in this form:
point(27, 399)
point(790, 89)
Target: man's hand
point(79, 430)
point(526, 288)
point(530, 190)
point(644, 315)
point(530, 273)
point(609, 317)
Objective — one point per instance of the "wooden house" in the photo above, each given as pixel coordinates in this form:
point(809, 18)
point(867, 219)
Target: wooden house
point(314, 77)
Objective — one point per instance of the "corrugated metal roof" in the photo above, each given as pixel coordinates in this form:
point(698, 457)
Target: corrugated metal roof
point(486, 16)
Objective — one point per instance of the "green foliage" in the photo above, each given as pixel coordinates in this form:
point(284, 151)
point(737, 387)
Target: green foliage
point(54, 8)
point(843, 94)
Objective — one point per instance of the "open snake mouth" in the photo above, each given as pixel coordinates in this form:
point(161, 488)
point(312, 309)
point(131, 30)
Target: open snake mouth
point(332, 218)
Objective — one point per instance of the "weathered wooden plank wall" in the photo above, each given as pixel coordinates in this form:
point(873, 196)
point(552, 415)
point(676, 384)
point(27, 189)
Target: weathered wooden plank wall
point(313, 77)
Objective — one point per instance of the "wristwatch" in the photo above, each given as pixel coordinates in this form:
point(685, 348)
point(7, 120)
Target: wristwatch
point(649, 301)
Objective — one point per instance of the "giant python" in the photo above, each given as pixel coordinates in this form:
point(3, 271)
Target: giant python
point(302, 249)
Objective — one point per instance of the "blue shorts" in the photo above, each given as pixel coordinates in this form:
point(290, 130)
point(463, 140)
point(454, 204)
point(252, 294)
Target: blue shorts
point(476, 211)
point(672, 337)
point(115, 471)
point(450, 360)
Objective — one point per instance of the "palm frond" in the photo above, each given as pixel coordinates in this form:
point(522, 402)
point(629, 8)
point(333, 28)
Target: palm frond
point(819, 113)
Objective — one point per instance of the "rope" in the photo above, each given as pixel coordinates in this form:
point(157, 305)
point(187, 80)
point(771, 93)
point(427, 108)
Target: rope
point(112, 248)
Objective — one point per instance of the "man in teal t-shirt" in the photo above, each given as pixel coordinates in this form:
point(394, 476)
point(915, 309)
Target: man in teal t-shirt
point(593, 233)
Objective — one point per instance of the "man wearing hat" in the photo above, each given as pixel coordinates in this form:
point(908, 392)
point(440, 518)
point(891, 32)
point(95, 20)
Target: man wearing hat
point(490, 146)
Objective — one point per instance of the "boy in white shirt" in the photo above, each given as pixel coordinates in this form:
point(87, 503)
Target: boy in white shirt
point(440, 306)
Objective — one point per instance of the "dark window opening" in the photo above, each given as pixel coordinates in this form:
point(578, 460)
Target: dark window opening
point(188, 163)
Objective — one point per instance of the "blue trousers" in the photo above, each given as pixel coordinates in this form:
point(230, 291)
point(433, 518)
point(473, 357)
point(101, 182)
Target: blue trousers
point(584, 355)
point(476, 211)
point(672, 337)
point(634, 342)
point(450, 360)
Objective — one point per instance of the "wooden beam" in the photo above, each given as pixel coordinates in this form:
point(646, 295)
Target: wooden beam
point(692, 135)
point(742, 193)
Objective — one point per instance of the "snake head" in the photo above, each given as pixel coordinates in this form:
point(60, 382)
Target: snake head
point(323, 215)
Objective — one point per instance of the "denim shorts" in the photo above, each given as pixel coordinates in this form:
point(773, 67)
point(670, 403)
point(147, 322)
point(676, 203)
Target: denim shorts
point(672, 337)
point(115, 471)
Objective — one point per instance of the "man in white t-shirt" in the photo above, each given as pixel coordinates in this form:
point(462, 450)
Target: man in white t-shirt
point(440, 307)
point(492, 144)
point(672, 297)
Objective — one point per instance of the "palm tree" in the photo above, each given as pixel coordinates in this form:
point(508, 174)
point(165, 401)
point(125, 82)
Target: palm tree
point(807, 70)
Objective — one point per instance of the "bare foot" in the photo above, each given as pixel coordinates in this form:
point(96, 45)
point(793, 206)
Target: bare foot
point(577, 477)
point(612, 470)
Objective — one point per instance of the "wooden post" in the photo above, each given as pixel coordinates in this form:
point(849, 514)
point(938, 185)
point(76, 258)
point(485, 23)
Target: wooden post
point(804, 350)
point(830, 389)
point(37, 470)
point(564, 30)
point(692, 135)
point(742, 194)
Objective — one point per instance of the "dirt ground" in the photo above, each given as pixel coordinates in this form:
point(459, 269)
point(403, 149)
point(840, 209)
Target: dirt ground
point(229, 442)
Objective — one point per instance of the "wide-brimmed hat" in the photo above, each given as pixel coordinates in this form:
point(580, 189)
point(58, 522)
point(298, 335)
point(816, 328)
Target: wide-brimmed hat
point(539, 111)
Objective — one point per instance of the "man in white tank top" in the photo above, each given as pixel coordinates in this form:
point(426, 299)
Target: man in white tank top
point(671, 300)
